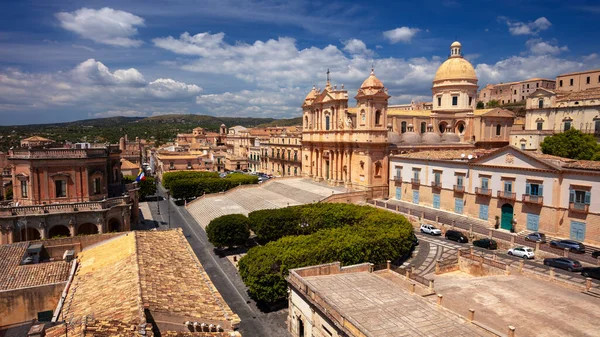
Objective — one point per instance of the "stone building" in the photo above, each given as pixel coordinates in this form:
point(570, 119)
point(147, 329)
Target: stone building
point(200, 138)
point(36, 141)
point(578, 81)
point(551, 112)
point(284, 153)
point(239, 140)
point(172, 159)
point(506, 186)
point(514, 92)
point(350, 146)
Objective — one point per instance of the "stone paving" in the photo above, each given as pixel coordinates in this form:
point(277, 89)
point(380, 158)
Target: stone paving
point(273, 194)
point(381, 308)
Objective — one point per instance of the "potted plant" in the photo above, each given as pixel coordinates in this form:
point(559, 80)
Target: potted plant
point(497, 222)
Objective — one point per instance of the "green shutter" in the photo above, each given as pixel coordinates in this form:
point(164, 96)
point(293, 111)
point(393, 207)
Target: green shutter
point(528, 189)
point(587, 197)
point(571, 195)
point(541, 190)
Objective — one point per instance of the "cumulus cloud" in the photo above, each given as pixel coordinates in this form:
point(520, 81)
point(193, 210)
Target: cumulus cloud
point(355, 46)
point(259, 103)
point(106, 25)
point(94, 86)
point(526, 28)
point(540, 47)
point(401, 34)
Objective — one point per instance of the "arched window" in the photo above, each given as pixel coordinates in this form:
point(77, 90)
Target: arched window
point(423, 127)
point(461, 128)
point(498, 129)
point(442, 127)
point(541, 103)
point(326, 122)
point(403, 127)
point(306, 122)
point(377, 117)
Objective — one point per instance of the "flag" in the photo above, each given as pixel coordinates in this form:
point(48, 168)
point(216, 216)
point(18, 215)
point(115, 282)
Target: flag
point(141, 176)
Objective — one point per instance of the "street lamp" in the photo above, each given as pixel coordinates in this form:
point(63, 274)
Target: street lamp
point(157, 196)
point(169, 208)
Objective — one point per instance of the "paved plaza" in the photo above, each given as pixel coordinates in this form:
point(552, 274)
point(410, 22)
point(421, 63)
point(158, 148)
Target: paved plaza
point(272, 194)
point(534, 307)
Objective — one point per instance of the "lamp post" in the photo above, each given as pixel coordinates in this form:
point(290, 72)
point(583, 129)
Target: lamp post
point(157, 196)
point(169, 208)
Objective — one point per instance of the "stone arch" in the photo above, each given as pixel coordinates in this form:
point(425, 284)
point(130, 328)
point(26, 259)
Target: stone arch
point(29, 234)
point(87, 229)
point(59, 230)
point(460, 128)
point(443, 126)
point(114, 225)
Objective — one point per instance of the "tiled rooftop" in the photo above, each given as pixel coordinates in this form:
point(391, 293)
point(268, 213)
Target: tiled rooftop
point(119, 280)
point(442, 154)
point(14, 276)
point(591, 93)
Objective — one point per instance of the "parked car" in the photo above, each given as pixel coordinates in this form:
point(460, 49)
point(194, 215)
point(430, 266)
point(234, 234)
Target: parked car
point(536, 237)
point(573, 246)
point(596, 254)
point(564, 263)
point(456, 236)
point(486, 243)
point(591, 272)
point(429, 229)
point(524, 252)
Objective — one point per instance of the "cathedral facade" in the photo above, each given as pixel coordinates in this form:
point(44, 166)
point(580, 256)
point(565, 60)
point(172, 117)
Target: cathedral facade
point(350, 146)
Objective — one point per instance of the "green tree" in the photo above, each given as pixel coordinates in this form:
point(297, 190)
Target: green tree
point(228, 230)
point(493, 103)
point(147, 186)
point(572, 144)
point(480, 105)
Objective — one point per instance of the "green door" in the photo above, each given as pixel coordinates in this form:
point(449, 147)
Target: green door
point(507, 217)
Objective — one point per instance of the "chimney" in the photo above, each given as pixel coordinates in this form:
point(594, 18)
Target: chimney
point(37, 330)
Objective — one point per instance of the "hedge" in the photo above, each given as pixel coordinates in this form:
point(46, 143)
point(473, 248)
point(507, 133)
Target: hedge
point(228, 230)
point(270, 225)
point(188, 189)
point(169, 177)
point(375, 236)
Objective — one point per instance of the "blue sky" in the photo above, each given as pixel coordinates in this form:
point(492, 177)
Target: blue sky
point(69, 60)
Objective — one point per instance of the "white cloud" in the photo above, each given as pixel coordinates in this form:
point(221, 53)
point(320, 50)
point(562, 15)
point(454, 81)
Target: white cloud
point(106, 25)
point(540, 47)
point(279, 103)
point(402, 34)
point(355, 46)
point(529, 28)
point(93, 88)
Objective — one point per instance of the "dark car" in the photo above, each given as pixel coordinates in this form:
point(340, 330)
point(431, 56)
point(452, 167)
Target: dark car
point(536, 237)
point(573, 246)
point(591, 272)
point(456, 236)
point(486, 243)
point(564, 263)
point(596, 254)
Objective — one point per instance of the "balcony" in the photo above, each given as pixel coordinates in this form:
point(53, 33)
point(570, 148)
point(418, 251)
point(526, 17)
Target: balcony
point(579, 207)
point(533, 199)
point(459, 188)
point(436, 184)
point(507, 195)
point(483, 191)
point(398, 179)
point(415, 182)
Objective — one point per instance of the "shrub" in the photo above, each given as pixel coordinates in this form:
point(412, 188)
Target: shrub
point(264, 268)
point(190, 188)
point(169, 177)
point(228, 230)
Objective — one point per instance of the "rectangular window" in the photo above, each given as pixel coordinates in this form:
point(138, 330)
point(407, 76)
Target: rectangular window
point(97, 186)
point(560, 83)
point(508, 186)
point(416, 175)
point(540, 126)
point(454, 100)
point(579, 197)
point(61, 188)
point(24, 193)
point(527, 85)
point(440, 100)
point(171, 165)
point(588, 80)
point(398, 172)
point(537, 85)
point(459, 181)
point(515, 92)
point(571, 82)
point(534, 189)
point(189, 164)
point(326, 122)
point(470, 100)
point(567, 126)
point(437, 177)
point(485, 182)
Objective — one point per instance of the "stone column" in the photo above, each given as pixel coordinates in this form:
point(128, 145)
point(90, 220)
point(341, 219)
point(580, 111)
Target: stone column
point(337, 166)
point(72, 227)
point(331, 164)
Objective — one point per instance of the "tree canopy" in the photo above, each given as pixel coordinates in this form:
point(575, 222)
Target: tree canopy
point(480, 105)
point(493, 103)
point(228, 230)
point(572, 144)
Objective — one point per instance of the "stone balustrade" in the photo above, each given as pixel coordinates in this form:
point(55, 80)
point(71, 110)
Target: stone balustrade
point(57, 153)
point(62, 208)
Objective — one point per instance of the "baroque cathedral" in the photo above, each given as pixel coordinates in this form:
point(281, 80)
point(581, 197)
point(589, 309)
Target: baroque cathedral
point(350, 146)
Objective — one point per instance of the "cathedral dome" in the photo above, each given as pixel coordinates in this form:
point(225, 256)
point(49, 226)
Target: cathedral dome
point(410, 136)
point(372, 81)
point(394, 138)
point(455, 67)
point(312, 94)
point(431, 138)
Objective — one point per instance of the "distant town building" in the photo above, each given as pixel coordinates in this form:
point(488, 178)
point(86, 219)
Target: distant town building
point(578, 81)
point(413, 106)
point(239, 140)
point(513, 92)
point(36, 141)
point(515, 189)
point(284, 153)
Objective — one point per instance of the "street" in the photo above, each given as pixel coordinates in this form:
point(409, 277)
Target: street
point(222, 273)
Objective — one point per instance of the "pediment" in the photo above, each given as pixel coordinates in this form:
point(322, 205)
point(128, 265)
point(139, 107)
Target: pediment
point(497, 112)
point(512, 157)
point(541, 92)
point(325, 96)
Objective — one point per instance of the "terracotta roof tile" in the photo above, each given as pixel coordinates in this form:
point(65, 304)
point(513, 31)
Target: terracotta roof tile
point(443, 154)
point(14, 276)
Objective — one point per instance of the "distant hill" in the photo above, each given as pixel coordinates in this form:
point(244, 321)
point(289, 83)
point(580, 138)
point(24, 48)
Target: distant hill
point(282, 122)
point(161, 128)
